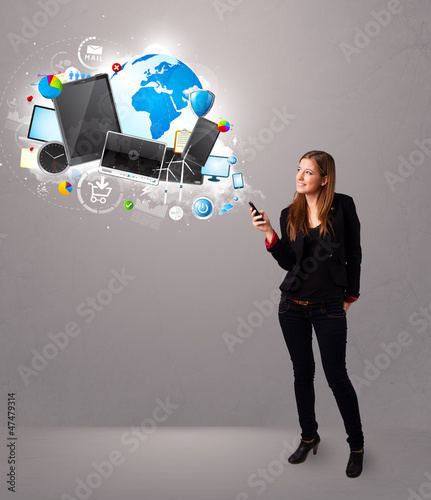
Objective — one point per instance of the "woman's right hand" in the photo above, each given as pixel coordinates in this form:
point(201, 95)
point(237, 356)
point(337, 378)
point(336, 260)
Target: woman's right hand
point(263, 225)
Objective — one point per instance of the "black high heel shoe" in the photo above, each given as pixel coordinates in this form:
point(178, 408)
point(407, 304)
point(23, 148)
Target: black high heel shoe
point(304, 449)
point(354, 465)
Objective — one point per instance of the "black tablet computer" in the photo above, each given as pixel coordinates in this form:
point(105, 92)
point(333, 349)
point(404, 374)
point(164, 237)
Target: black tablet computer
point(86, 112)
point(201, 141)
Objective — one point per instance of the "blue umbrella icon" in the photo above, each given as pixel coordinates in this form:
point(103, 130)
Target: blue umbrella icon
point(201, 101)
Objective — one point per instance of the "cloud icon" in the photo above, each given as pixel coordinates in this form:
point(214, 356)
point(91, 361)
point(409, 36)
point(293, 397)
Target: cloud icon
point(226, 208)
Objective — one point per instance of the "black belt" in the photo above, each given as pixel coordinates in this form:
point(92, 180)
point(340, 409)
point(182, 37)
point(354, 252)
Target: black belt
point(304, 302)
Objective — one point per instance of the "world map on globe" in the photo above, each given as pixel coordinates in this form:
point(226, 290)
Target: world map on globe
point(152, 96)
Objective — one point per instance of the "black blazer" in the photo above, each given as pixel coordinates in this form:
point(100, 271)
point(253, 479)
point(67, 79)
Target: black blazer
point(343, 246)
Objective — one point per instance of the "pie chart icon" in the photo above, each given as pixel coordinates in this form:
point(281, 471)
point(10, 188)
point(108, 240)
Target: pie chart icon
point(223, 126)
point(65, 188)
point(50, 87)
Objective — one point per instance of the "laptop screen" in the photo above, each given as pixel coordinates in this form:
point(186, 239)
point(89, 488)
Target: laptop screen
point(132, 157)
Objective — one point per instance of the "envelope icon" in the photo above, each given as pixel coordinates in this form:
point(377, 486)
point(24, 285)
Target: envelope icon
point(94, 50)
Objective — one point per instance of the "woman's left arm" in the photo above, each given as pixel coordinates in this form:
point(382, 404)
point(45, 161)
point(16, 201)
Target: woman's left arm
point(352, 245)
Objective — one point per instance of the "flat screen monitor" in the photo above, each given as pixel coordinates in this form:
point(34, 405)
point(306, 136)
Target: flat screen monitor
point(201, 141)
point(86, 112)
point(216, 166)
point(44, 125)
point(132, 158)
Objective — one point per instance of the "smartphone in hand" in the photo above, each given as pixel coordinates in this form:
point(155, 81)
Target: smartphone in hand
point(254, 208)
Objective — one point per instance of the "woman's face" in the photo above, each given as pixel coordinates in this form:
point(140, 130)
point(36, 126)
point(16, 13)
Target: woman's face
point(308, 178)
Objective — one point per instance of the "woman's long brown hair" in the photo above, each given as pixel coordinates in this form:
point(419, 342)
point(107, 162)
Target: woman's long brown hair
point(297, 219)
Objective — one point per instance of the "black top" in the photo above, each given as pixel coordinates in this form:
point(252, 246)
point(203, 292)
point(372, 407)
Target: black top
point(343, 243)
point(314, 281)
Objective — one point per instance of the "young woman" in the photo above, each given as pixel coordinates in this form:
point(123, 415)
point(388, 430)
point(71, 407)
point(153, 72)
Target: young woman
point(320, 248)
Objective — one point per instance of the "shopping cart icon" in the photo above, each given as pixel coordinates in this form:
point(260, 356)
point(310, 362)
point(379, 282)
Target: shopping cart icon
point(100, 191)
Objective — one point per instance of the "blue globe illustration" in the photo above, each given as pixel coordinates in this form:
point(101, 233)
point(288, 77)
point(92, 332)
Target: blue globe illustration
point(152, 96)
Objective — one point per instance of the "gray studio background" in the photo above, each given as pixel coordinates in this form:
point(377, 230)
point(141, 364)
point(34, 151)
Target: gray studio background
point(164, 335)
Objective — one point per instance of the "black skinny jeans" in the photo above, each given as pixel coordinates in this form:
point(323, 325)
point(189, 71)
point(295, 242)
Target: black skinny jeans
point(330, 325)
